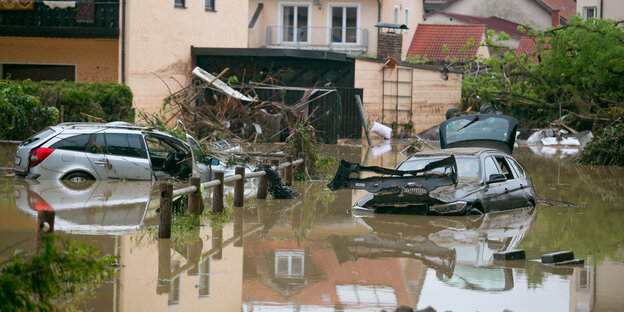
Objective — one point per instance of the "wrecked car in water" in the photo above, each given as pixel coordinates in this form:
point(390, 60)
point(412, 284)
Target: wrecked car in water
point(473, 173)
point(115, 150)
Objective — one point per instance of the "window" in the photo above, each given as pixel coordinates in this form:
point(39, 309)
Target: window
point(289, 264)
point(36, 72)
point(589, 12)
point(98, 146)
point(123, 144)
point(344, 22)
point(490, 168)
point(294, 22)
point(518, 168)
point(210, 5)
point(179, 3)
point(406, 16)
point(506, 170)
point(396, 14)
point(75, 143)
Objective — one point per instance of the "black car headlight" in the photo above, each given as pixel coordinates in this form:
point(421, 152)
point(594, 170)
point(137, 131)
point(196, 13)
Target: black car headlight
point(453, 207)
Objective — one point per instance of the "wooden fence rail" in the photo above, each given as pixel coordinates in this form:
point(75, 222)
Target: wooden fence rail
point(167, 193)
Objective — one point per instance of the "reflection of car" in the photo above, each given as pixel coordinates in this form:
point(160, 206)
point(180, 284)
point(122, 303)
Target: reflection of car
point(88, 207)
point(459, 179)
point(460, 249)
point(116, 150)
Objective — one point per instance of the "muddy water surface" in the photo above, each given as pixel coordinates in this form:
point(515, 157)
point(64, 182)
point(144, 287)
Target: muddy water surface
point(313, 254)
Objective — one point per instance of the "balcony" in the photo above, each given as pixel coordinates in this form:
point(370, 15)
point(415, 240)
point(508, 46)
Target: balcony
point(339, 39)
point(63, 19)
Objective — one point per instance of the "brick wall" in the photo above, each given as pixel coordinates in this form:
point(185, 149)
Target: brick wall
point(389, 44)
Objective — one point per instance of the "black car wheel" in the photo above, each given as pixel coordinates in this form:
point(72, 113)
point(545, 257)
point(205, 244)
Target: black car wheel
point(78, 180)
point(529, 206)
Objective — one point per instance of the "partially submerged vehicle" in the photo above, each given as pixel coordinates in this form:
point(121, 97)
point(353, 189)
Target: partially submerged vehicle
point(473, 173)
point(115, 150)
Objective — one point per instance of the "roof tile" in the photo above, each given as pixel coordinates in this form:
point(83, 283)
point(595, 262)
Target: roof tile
point(429, 40)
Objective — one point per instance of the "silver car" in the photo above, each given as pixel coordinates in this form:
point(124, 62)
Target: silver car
point(115, 150)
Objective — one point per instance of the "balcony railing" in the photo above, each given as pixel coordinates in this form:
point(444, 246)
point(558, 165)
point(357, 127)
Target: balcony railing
point(95, 19)
point(349, 39)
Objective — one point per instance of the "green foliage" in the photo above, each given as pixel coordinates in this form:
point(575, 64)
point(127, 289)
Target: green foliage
point(53, 279)
point(303, 140)
point(578, 66)
point(606, 149)
point(417, 59)
point(21, 114)
point(104, 100)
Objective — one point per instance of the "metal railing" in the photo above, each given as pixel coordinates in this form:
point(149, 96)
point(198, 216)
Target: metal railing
point(318, 37)
point(193, 190)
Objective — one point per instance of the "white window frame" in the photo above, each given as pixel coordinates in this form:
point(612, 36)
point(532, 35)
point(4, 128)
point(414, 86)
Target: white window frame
point(585, 9)
point(290, 255)
point(396, 14)
point(406, 17)
point(280, 22)
point(343, 5)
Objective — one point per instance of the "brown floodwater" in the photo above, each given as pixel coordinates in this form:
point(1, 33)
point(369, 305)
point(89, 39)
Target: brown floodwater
point(313, 254)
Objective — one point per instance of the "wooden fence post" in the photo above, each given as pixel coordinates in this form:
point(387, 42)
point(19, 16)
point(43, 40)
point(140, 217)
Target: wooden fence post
point(276, 163)
point(194, 199)
point(217, 193)
point(166, 196)
point(239, 187)
point(45, 225)
point(288, 172)
point(263, 187)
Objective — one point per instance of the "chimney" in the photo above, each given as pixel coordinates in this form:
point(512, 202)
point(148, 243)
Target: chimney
point(389, 44)
point(556, 17)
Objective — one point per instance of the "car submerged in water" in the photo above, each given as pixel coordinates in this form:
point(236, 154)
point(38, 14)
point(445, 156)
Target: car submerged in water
point(472, 173)
point(115, 150)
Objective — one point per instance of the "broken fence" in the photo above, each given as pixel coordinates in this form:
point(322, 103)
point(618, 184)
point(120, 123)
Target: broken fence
point(193, 190)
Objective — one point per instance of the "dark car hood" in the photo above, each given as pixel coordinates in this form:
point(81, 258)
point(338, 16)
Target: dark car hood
point(480, 130)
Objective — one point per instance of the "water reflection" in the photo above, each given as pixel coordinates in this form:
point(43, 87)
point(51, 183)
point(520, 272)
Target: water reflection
point(90, 207)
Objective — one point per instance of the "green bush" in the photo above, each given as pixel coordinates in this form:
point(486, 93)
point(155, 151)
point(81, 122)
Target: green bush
point(606, 149)
point(21, 114)
point(104, 100)
point(27, 107)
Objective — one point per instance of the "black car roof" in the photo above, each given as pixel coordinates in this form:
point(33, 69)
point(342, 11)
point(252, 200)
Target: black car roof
point(458, 151)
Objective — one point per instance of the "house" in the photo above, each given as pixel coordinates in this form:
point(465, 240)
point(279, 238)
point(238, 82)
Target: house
point(449, 42)
point(152, 46)
point(610, 9)
point(493, 23)
point(537, 13)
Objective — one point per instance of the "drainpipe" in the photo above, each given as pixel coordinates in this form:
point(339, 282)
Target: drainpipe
point(601, 8)
point(123, 41)
point(378, 11)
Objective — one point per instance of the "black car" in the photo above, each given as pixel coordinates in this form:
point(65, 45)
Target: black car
point(473, 173)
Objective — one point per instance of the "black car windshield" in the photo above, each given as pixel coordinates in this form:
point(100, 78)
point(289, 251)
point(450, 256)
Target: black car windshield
point(486, 129)
point(467, 167)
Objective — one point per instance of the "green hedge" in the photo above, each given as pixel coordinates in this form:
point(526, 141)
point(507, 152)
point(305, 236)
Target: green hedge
point(27, 107)
point(108, 101)
point(606, 149)
point(22, 114)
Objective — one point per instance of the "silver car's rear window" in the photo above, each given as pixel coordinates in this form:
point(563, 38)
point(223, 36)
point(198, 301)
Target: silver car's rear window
point(38, 136)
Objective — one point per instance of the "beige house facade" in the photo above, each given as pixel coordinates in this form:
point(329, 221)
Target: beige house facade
point(609, 9)
point(148, 45)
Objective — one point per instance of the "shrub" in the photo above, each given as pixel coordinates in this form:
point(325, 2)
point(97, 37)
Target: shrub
point(22, 114)
point(606, 149)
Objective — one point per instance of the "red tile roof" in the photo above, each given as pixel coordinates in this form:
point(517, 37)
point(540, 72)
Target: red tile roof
point(526, 46)
point(429, 40)
point(566, 7)
point(491, 23)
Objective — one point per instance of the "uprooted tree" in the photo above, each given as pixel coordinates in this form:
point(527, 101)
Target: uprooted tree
point(575, 70)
